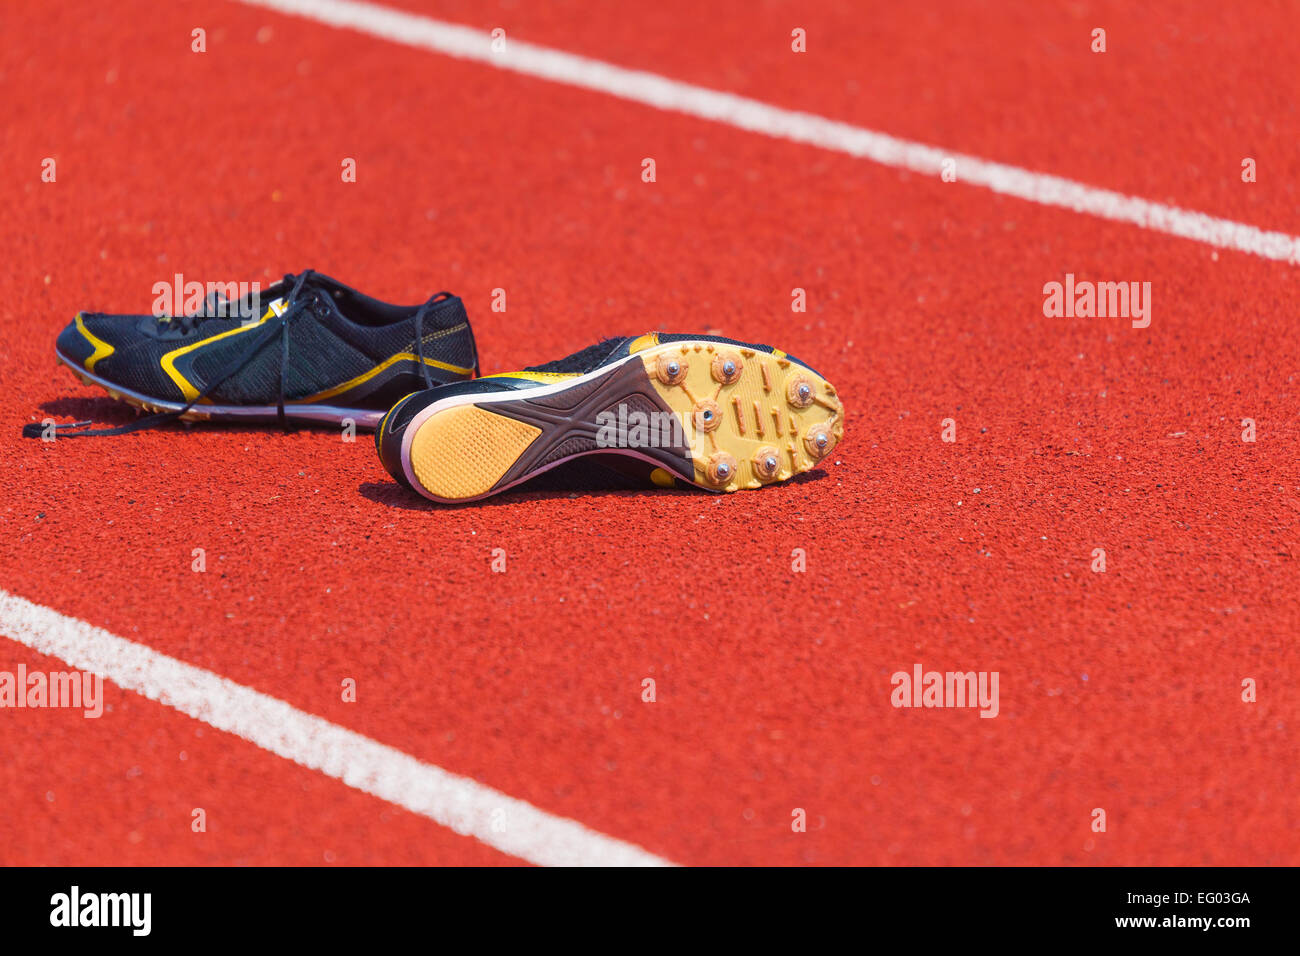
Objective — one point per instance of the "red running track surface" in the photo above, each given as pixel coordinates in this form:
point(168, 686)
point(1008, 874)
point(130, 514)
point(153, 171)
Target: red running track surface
point(1119, 690)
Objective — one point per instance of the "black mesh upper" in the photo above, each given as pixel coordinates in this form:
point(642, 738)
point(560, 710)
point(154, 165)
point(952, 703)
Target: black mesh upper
point(318, 359)
point(586, 360)
point(594, 356)
point(327, 346)
point(666, 337)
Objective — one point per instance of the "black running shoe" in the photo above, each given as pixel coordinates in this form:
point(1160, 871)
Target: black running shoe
point(713, 412)
point(312, 350)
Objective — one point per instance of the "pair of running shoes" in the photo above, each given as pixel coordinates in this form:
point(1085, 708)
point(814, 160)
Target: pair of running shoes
point(709, 411)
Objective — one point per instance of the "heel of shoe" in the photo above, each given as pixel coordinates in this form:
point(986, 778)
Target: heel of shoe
point(462, 452)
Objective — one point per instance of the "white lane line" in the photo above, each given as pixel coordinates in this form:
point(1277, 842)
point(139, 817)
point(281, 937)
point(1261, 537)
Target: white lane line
point(446, 798)
point(663, 93)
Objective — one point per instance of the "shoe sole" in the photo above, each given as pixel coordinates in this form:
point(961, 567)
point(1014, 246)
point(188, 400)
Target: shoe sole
point(364, 418)
point(720, 417)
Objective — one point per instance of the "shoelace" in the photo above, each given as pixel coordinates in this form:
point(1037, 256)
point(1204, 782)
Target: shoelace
point(214, 307)
point(436, 298)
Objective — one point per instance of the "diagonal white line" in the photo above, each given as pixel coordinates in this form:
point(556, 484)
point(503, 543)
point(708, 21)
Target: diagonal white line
point(663, 93)
point(454, 801)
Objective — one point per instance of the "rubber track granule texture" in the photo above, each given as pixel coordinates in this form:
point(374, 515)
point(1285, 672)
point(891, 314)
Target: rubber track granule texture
point(1120, 690)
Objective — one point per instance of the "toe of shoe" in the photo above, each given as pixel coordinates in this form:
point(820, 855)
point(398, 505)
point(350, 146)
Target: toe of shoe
point(73, 344)
point(115, 352)
point(92, 337)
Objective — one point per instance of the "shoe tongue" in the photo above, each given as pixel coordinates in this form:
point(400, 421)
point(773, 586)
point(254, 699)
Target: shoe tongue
point(254, 306)
point(276, 304)
point(274, 307)
point(272, 300)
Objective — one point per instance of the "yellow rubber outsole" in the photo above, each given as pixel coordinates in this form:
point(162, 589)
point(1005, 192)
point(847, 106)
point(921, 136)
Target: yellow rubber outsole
point(463, 451)
point(752, 418)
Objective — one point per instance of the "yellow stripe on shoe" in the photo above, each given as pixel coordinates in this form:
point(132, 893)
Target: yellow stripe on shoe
point(544, 377)
point(102, 349)
point(643, 342)
point(168, 361)
point(382, 366)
